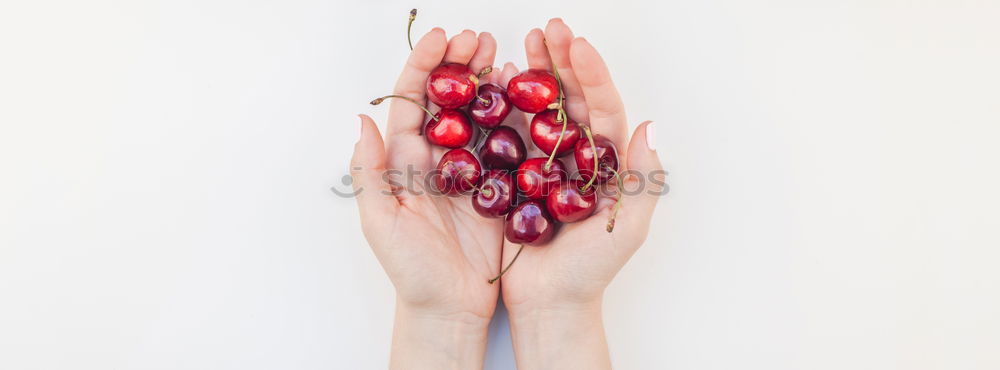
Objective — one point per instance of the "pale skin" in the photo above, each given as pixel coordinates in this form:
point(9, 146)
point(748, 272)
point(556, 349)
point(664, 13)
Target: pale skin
point(439, 253)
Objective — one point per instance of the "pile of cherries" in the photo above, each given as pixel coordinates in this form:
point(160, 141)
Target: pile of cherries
point(534, 194)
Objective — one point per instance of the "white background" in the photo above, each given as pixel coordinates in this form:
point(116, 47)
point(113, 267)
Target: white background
point(165, 166)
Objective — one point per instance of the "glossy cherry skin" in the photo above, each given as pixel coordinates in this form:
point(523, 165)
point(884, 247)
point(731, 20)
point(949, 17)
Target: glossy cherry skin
point(458, 172)
point(536, 183)
point(607, 155)
point(529, 223)
point(452, 129)
point(533, 90)
point(491, 114)
point(451, 85)
point(497, 195)
point(570, 204)
point(545, 132)
point(503, 149)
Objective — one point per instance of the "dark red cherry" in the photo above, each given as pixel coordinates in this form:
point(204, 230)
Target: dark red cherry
point(503, 148)
point(459, 172)
point(568, 203)
point(533, 90)
point(451, 130)
point(495, 196)
point(529, 223)
point(451, 85)
point(545, 132)
point(535, 182)
point(490, 107)
point(607, 156)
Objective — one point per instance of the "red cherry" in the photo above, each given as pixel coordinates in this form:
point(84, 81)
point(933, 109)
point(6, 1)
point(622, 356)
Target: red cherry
point(503, 148)
point(570, 204)
point(495, 196)
point(452, 129)
point(533, 90)
point(607, 156)
point(536, 183)
point(529, 223)
point(545, 132)
point(490, 107)
point(459, 172)
point(451, 85)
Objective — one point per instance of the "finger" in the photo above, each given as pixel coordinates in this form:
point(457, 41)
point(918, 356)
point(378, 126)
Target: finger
point(486, 52)
point(461, 48)
point(368, 164)
point(606, 111)
point(534, 47)
point(405, 117)
point(645, 181)
point(516, 120)
point(558, 38)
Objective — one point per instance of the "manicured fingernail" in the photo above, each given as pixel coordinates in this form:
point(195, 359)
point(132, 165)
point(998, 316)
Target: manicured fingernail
point(361, 128)
point(650, 136)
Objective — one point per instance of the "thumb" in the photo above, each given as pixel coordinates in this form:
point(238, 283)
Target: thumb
point(367, 171)
point(646, 177)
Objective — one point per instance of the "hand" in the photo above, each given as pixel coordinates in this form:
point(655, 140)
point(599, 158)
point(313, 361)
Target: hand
point(437, 250)
point(554, 291)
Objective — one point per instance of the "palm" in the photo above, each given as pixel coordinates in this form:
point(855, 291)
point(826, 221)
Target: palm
point(583, 257)
point(445, 254)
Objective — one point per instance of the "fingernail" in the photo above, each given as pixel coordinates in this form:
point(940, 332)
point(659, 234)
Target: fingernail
point(361, 128)
point(650, 136)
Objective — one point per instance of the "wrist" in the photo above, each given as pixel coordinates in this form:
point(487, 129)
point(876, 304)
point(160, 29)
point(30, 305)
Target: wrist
point(563, 336)
point(432, 340)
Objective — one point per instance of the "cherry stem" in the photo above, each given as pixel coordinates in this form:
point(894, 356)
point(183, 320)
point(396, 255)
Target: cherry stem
point(508, 265)
point(560, 117)
point(552, 156)
point(560, 111)
point(485, 71)
point(483, 100)
point(382, 99)
point(618, 203)
point(413, 16)
point(593, 147)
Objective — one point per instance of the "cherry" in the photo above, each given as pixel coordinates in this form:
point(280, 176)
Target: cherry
point(545, 132)
point(533, 90)
point(535, 182)
point(451, 85)
point(529, 223)
point(449, 128)
point(495, 196)
point(459, 172)
point(490, 107)
point(569, 203)
point(607, 157)
point(503, 148)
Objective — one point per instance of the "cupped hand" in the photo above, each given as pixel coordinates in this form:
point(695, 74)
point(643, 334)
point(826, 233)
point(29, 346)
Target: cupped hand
point(437, 251)
point(566, 277)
